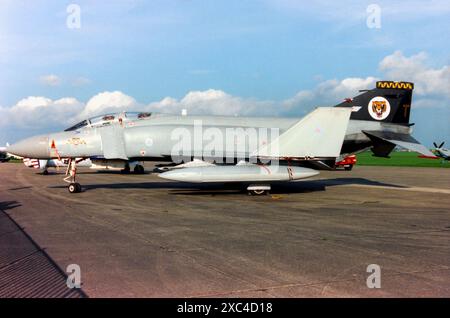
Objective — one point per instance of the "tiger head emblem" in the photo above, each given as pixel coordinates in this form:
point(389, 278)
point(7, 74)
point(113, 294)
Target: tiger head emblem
point(379, 108)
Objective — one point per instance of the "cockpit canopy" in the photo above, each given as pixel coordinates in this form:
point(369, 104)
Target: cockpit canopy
point(107, 119)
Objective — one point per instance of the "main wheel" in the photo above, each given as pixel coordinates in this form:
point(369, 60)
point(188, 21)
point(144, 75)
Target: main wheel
point(258, 192)
point(349, 167)
point(126, 170)
point(139, 169)
point(74, 188)
point(45, 172)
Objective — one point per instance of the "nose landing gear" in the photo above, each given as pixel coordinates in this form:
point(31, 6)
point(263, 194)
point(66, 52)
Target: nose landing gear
point(71, 172)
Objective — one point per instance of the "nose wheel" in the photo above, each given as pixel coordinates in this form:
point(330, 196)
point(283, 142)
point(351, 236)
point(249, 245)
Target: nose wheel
point(74, 187)
point(71, 173)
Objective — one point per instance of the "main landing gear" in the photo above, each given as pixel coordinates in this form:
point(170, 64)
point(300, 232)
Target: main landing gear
point(70, 178)
point(258, 189)
point(126, 169)
point(138, 169)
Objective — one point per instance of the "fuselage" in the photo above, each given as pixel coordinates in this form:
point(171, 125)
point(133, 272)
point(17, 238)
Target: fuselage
point(160, 136)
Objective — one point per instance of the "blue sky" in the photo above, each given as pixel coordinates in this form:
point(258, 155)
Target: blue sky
point(259, 56)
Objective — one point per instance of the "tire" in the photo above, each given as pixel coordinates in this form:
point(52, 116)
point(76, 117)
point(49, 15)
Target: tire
point(349, 168)
point(138, 169)
point(126, 170)
point(74, 188)
point(45, 172)
point(258, 192)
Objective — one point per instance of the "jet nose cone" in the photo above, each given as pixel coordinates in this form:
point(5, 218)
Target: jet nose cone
point(34, 147)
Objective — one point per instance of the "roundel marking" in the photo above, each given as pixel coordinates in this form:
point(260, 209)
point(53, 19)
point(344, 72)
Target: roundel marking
point(379, 108)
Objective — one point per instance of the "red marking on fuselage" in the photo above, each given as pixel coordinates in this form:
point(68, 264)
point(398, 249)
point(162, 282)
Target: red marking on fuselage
point(267, 169)
point(53, 146)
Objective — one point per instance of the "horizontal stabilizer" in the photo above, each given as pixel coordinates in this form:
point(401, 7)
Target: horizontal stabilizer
point(319, 134)
point(397, 139)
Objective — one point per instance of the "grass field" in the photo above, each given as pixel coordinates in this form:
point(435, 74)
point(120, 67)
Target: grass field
point(15, 160)
point(399, 158)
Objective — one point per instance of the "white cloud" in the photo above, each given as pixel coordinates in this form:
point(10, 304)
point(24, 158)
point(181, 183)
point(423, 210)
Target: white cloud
point(432, 85)
point(36, 112)
point(31, 103)
point(427, 80)
point(108, 102)
point(50, 80)
point(212, 101)
point(346, 86)
point(327, 93)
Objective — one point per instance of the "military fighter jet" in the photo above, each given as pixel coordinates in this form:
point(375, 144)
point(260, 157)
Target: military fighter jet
point(252, 150)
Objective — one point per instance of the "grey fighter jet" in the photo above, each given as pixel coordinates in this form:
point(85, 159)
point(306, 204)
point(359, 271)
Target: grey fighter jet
point(252, 150)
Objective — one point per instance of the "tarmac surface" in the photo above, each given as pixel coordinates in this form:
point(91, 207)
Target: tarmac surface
point(25, 269)
point(142, 236)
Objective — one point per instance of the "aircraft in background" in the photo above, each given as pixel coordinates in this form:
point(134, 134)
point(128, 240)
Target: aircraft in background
point(441, 152)
point(4, 157)
point(377, 119)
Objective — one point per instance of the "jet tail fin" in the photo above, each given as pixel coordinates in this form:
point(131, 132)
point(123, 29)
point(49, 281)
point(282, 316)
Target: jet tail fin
point(389, 102)
point(318, 135)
